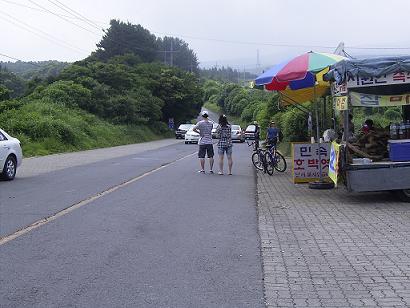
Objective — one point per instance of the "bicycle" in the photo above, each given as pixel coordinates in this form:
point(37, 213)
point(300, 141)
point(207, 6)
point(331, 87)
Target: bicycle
point(258, 157)
point(274, 159)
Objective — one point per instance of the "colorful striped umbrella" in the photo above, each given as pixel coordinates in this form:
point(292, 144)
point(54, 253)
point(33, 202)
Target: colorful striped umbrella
point(297, 73)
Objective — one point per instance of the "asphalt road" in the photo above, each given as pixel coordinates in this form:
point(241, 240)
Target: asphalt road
point(142, 229)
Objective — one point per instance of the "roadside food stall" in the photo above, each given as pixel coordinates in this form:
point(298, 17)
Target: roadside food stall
point(385, 164)
point(299, 80)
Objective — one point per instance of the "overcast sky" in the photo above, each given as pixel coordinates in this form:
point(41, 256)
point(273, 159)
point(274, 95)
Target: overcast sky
point(221, 32)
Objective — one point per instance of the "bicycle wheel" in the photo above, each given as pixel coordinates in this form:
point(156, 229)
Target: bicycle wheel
point(256, 160)
point(280, 162)
point(269, 163)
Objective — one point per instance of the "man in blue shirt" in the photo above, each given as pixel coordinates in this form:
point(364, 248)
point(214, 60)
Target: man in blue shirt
point(272, 135)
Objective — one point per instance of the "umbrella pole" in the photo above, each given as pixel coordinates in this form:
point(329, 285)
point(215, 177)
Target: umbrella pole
point(318, 134)
point(319, 184)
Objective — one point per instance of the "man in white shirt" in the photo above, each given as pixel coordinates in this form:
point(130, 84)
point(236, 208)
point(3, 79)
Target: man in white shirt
point(204, 129)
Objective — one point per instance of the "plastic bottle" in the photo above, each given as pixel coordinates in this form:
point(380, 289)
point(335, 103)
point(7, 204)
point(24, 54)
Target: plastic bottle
point(402, 131)
point(407, 130)
point(393, 131)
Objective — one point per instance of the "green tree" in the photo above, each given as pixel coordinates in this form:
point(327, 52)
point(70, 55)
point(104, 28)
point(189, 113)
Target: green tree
point(177, 52)
point(181, 93)
point(65, 93)
point(125, 38)
point(4, 93)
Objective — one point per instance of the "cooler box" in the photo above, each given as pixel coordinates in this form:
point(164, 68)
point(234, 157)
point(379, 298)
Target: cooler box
point(399, 150)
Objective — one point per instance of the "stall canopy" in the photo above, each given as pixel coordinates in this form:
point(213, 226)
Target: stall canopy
point(368, 68)
point(299, 79)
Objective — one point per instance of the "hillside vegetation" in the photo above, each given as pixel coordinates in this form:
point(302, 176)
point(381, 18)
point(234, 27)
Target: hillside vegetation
point(120, 94)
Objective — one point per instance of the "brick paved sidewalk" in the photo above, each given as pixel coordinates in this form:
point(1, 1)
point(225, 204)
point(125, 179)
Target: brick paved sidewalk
point(332, 248)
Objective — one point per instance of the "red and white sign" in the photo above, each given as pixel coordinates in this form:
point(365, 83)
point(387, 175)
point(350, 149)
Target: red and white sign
point(305, 161)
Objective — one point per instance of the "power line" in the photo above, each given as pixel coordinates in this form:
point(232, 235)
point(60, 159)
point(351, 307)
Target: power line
point(90, 22)
point(63, 18)
point(378, 48)
point(275, 44)
point(38, 9)
point(2, 54)
point(242, 42)
point(94, 24)
point(9, 18)
point(75, 14)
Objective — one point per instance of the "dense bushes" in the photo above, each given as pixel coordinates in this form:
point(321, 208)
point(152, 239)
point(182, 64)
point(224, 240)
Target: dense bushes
point(105, 99)
point(45, 127)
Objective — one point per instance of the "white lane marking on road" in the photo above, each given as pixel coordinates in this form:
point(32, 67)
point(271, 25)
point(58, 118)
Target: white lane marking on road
point(43, 221)
point(145, 158)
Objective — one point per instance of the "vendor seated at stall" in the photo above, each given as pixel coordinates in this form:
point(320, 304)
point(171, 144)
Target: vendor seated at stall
point(371, 141)
point(368, 126)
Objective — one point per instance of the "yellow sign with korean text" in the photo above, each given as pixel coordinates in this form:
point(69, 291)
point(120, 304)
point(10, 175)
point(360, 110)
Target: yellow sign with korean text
point(372, 100)
point(334, 162)
point(341, 103)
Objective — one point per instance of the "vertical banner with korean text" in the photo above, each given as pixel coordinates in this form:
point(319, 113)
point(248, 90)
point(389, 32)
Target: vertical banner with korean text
point(334, 162)
point(305, 161)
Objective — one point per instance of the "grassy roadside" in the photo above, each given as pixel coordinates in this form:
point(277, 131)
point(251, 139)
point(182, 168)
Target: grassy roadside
point(46, 128)
point(212, 107)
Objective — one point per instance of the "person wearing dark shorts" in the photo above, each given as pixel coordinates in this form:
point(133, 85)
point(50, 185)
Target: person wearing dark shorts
point(224, 144)
point(204, 129)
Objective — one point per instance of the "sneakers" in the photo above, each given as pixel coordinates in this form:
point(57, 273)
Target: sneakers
point(203, 171)
point(220, 173)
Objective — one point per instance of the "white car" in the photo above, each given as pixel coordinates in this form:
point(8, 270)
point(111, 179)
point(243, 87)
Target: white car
point(11, 156)
point(237, 133)
point(191, 136)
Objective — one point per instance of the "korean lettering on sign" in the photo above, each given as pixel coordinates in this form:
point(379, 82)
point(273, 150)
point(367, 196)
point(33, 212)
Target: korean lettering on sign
point(371, 100)
point(306, 161)
point(341, 103)
point(338, 90)
point(395, 78)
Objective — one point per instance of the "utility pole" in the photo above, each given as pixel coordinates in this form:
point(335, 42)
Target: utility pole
point(172, 53)
point(165, 55)
point(258, 63)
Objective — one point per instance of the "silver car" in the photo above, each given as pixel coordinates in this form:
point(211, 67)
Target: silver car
point(237, 133)
point(11, 156)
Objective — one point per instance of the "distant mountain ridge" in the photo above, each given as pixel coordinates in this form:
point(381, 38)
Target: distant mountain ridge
point(32, 69)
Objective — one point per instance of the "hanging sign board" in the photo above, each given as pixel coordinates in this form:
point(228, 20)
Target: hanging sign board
point(396, 78)
point(338, 89)
point(371, 100)
point(341, 103)
point(305, 161)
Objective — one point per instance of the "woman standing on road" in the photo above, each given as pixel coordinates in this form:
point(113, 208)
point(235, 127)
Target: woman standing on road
point(224, 144)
